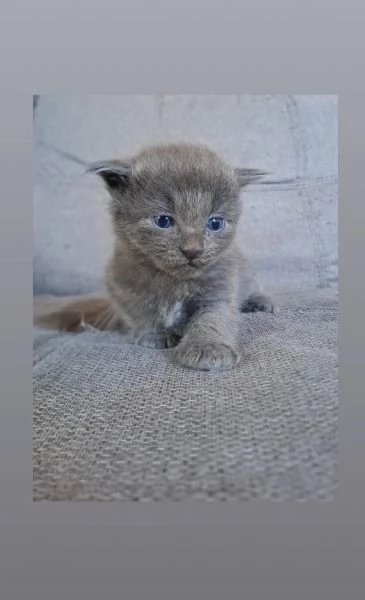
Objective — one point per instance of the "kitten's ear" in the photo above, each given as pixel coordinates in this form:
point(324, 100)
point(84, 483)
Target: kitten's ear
point(248, 176)
point(115, 173)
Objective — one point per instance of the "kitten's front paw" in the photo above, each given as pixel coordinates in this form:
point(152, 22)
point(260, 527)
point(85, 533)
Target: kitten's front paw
point(160, 340)
point(259, 303)
point(207, 357)
point(172, 339)
point(152, 340)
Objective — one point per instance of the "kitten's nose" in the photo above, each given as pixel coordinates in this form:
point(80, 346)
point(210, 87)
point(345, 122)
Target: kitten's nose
point(192, 251)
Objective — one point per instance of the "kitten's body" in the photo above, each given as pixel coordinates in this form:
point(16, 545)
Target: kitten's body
point(181, 286)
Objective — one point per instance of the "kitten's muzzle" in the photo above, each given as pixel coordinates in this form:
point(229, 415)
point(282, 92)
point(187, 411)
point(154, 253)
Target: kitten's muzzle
point(192, 252)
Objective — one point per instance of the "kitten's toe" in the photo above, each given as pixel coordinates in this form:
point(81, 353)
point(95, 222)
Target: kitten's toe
point(172, 339)
point(208, 357)
point(259, 303)
point(152, 340)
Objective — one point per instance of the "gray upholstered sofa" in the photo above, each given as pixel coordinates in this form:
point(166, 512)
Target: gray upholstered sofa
point(114, 421)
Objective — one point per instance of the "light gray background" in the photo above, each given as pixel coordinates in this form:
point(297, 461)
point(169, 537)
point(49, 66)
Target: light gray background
point(278, 550)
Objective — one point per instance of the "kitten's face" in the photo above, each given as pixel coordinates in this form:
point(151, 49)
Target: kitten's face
point(178, 206)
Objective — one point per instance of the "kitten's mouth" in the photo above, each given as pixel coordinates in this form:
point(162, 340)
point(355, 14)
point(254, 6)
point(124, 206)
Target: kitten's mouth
point(190, 268)
point(194, 264)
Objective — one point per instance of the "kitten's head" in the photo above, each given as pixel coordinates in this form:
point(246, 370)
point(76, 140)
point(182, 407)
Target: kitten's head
point(177, 205)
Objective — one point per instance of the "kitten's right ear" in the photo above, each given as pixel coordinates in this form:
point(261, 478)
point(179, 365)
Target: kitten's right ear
point(116, 174)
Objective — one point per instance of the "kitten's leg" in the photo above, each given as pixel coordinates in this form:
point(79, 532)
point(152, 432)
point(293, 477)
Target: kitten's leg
point(258, 303)
point(156, 340)
point(250, 298)
point(159, 340)
point(209, 340)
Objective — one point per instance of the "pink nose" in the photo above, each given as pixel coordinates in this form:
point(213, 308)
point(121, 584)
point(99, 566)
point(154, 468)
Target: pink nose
point(192, 251)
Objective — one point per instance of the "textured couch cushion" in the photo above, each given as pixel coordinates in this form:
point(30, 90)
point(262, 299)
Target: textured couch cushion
point(114, 421)
point(289, 233)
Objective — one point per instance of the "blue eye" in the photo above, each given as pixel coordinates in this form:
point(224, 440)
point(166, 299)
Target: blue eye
point(162, 221)
point(215, 224)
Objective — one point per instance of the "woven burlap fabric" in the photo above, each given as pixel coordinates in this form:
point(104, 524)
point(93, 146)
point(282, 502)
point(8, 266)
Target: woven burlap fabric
point(114, 421)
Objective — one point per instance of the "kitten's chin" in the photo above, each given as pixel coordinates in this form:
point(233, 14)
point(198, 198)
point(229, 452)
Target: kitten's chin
point(183, 271)
point(189, 271)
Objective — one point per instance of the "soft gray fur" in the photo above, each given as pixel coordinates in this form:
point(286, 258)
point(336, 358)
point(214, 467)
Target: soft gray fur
point(182, 286)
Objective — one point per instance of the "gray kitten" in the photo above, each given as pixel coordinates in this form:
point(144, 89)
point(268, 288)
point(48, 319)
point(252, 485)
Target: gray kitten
point(176, 276)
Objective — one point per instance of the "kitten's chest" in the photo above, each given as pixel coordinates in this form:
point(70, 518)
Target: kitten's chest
point(172, 309)
point(172, 315)
point(169, 308)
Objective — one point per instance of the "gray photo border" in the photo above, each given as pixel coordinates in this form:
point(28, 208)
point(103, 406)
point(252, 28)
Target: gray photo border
point(167, 550)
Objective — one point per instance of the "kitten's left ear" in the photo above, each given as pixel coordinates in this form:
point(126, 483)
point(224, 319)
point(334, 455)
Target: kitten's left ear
point(115, 173)
point(248, 176)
